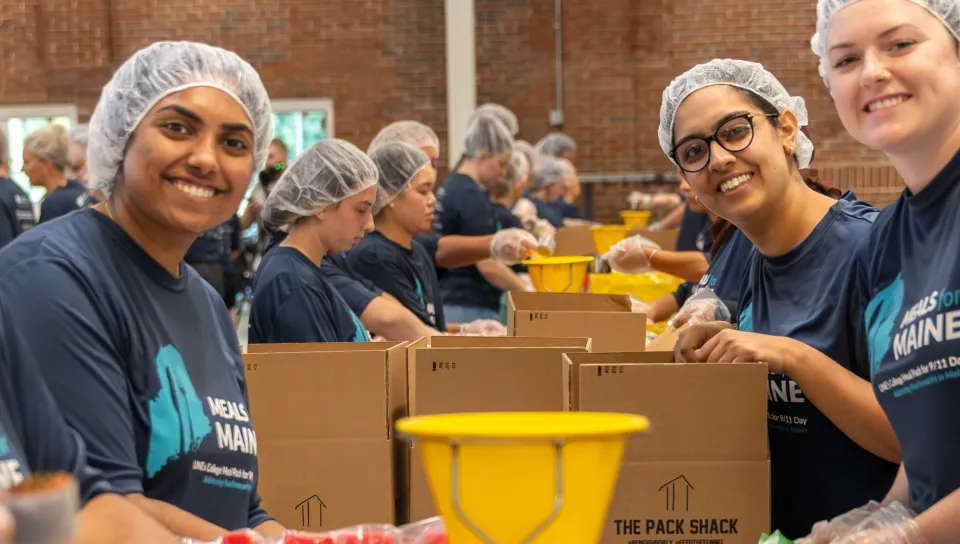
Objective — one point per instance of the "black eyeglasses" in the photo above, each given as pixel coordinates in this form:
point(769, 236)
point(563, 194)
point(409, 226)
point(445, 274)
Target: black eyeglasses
point(736, 134)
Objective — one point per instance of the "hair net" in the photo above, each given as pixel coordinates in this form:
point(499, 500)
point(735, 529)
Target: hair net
point(51, 143)
point(414, 133)
point(533, 158)
point(517, 169)
point(948, 11)
point(556, 144)
point(79, 135)
point(398, 163)
point(550, 172)
point(742, 74)
point(326, 173)
point(487, 137)
point(499, 113)
point(152, 74)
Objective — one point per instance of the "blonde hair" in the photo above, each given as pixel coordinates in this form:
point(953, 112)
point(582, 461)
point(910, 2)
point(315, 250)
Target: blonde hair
point(52, 143)
point(4, 148)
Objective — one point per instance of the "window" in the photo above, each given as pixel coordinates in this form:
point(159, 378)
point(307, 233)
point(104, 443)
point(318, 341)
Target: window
point(302, 123)
point(19, 122)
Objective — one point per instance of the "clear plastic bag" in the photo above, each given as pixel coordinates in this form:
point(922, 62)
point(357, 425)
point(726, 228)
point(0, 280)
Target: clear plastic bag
point(428, 531)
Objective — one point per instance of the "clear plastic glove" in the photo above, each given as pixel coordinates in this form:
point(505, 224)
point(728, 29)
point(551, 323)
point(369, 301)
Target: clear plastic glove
point(525, 210)
point(637, 200)
point(870, 524)
point(484, 327)
point(542, 228)
point(628, 257)
point(703, 307)
point(527, 282)
point(510, 246)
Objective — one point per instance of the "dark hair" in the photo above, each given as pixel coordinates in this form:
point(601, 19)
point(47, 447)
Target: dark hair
point(774, 116)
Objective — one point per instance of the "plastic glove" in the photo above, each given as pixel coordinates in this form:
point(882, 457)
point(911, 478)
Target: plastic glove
point(525, 210)
point(703, 307)
point(510, 246)
point(627, 256)
point(637, 200)
point(870, 524)
point(484, 327)
point(542, 228)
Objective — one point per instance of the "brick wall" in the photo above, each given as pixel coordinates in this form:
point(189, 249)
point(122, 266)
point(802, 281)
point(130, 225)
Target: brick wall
point(382, 60)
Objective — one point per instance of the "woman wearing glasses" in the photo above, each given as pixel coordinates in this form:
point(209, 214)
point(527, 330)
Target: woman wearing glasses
point(733, 130)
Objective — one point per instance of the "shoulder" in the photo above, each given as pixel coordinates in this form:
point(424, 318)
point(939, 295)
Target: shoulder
point(79, 242)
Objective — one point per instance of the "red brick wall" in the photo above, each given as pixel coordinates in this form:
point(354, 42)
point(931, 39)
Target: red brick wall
point(382, 60)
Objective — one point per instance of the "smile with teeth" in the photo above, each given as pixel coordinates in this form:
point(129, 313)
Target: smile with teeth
point(194, 190)
point(732, 184)
point(886, 103)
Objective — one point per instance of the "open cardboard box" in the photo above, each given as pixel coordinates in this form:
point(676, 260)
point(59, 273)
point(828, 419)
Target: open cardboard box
point(574, 242)
point(324, 416)
point(450, 374)
point(702, 473)
point(606, 319)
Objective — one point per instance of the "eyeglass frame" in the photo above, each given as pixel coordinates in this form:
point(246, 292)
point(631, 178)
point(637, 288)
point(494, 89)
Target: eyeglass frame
point(709, 139)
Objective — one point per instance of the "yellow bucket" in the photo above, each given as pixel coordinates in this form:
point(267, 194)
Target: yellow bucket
point(558, 274)
point(634, 219)
point(606, 236)
point(531, 477)
point(646, 287)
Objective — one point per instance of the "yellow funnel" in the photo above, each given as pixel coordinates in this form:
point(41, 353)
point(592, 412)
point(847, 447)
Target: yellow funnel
point(604, 237)
point(558, 274)
point(634, 219)
point(524, 477)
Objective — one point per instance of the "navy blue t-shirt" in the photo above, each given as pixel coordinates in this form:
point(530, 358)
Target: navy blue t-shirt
point(213, 246)
point(506, 220)
point(464, 208)
point(430, 242)
point(549, 211)
point(145, 366)
point(913, 326)
point(33, 435)
point(356, 291)
point(16, 211)
point(814, 294)
point(691, 227)
point(725, 273)
point(407, 274)
point(568, 210)
point(231, 243)
point(294, 303)
point(65, 199)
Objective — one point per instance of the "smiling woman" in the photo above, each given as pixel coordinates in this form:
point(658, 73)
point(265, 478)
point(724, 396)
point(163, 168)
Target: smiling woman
point(177, 135)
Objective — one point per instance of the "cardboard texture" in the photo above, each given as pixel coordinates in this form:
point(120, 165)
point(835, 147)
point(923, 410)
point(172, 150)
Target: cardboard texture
point(606, 319)
point(574, 241)
point(703, 472)
point(667, 239)
point(324, 416)
point(667, 341)
point(474, 374)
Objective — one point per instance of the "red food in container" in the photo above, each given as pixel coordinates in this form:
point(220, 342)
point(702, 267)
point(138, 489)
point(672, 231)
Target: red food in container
point(307, 538)
point(244, 536)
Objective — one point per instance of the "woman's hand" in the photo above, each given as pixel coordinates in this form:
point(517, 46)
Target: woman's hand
point(694, 338)
point(6, 526)
point(732, 346)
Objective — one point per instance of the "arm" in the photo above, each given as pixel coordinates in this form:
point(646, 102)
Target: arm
point(662, 308)
point(176, 520)
point(899, 491)
point(250, 214)
point(689, 265)
point(109, 519)
point(673, 219)
point(500, 276)
point(941, 523)
point(388, 318)
point(455, 251)
point(270, 529)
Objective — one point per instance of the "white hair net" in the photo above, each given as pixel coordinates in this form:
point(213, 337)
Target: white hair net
point(152, 74)
point(79, 135)
point(533, 158)
point(948, 11)
point(550, 172)
point(487, 137)
point(556, 144)
point(499, 113)
point(414, 133)
point(742, 74)
point(517, 170)
point(325, 174)
point(398, 163)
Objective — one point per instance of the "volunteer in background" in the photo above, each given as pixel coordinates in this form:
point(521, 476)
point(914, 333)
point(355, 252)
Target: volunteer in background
point(549, 185)
point(136, 348)
point(734, 131)
point(16, 210)
point(210, 254)
point(562, 146)
point(892, 70)
point(36, 441)
point(390, 256)
point(498, 112)
point(324, 200)
point(464, 208)
point(637, 254)
point(504, 194)
point(45, 160)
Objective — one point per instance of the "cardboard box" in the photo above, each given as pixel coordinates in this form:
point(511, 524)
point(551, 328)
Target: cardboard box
point(606, 319)
point(324, 416)
point(667, 239)
point(703, 472)
point(574, 242)
point(473, 374)
point(666, 342)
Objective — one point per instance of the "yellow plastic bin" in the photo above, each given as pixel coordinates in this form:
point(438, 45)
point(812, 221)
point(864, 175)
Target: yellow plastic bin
point(635, 219)
point(606, 236)
point(531, 477)
point(558, 274)
point(647, 287)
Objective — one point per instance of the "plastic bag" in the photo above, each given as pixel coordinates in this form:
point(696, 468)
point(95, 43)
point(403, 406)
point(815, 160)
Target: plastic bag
point(703, 307)
point(872, 523)
point(775, 538)
point(428, 531)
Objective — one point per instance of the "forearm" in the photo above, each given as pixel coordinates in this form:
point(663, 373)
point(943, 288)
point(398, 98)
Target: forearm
point(941, 523)
point(663, 308)
point(846, 399)
point(177, 521)
point(270, 529)
point(673, 219)
point(899, 491)
point(110, 519)
point(389, 319)
point(458, 251)
point(500, 276)
point(689, 265)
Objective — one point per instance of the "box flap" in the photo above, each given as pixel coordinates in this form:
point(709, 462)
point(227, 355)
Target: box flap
point(574, 241)
point(711, 412)
point(667, 341)
point(568, 302)
point(318, 346)
point(506, 342)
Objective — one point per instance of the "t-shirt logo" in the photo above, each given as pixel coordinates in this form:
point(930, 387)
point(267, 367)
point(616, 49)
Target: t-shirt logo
point(745, 320)
point(11, 473)
point(360, 333)
point(420, 293)
point(880, 318)
point(178, 423)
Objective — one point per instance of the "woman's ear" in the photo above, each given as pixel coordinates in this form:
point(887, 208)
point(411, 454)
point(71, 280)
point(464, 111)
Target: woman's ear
point(789, 127)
